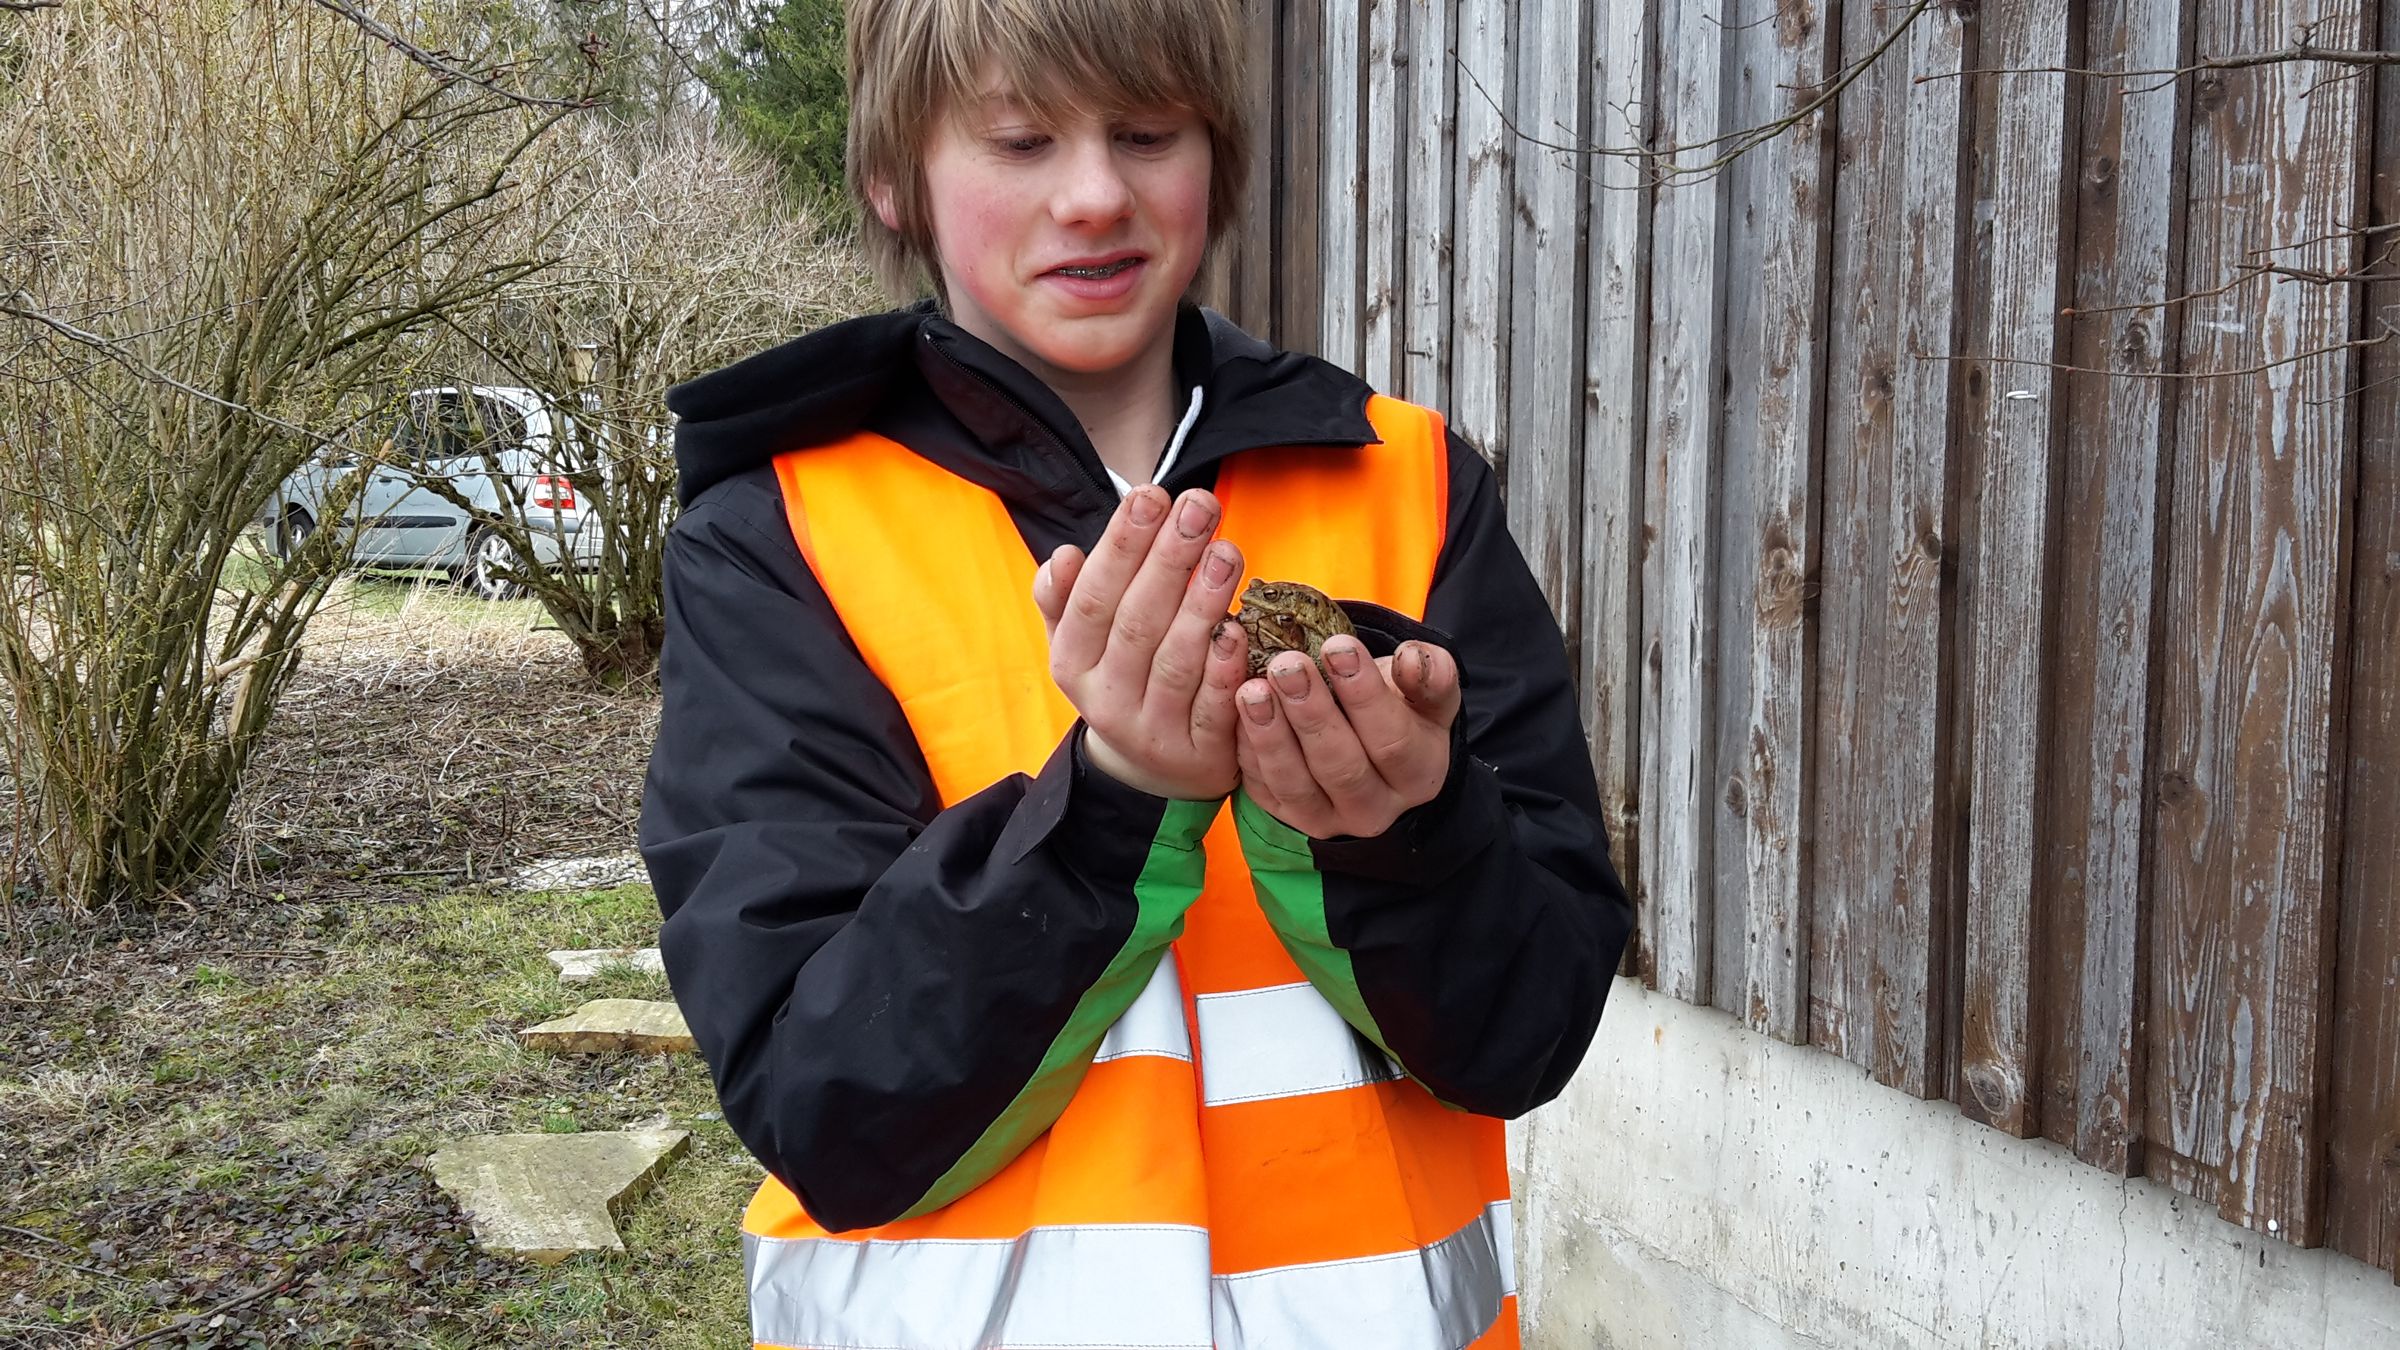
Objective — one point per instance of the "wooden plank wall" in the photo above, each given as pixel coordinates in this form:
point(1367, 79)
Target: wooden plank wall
point(1984, 582)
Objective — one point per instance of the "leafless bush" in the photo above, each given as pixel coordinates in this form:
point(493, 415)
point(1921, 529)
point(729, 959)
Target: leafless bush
point(677, 253)
point(218, 221)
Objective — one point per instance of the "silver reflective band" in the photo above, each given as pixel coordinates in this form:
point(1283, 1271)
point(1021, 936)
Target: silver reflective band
point(1129, 1286)
point(1439, 1298)
point(1154, 1024)
point(1142, 1286)
point(1282, 1041)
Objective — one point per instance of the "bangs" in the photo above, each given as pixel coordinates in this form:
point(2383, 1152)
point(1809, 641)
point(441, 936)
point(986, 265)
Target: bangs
point(1066, 58)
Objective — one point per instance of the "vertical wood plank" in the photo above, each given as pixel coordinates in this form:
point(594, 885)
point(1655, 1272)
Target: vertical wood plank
point(1479, 291)
point(1878, 911)
point(1686, 383)
point(2089, 880)
point(2363, 1138)
point(1733, 620)
point(1298, 281)
point(1342, 182)
point(1775, 421)
point(1545, 508)
point(1615, 403)
point(2248, 725)
point(1385, 167)
point(1254, 263)
point(2011, 413)
point(1432, 121)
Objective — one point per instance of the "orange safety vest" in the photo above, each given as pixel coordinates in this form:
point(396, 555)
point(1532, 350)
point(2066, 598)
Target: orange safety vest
point(1238, 1167)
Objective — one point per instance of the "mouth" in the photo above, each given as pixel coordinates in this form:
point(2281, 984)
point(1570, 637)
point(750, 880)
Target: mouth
point(1098, 270)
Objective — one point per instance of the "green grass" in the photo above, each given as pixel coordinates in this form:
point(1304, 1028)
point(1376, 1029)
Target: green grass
point(234, 1118)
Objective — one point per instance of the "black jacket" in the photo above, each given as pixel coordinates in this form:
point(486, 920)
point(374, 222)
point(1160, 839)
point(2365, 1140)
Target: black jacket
point(872, 978)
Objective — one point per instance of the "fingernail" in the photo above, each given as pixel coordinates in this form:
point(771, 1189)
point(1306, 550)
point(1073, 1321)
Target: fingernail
point(1223, 638)
point(1219, 569)
point(1194, 519)
point(1343, 659)
point(1292, 678)
point(1255, 705)
point(1145, 507)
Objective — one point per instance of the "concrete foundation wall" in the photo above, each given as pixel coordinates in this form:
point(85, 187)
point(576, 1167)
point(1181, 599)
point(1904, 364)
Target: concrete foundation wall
point(1705, 1187)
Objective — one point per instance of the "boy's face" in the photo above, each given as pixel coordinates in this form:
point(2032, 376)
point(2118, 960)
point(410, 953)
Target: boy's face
point(1067, 245)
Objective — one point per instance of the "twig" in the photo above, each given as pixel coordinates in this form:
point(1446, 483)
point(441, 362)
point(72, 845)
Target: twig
point(2300, 51)
point(441, 64)
point(1744, 141)
point(14, 304)
point(29, 6)
point(290, 1278)
point(2389, 332)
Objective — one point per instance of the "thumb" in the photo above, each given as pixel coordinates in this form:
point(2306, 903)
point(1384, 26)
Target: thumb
point(1427, 677)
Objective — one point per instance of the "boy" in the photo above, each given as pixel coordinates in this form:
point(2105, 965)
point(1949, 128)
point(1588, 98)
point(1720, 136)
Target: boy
point(1075, 987)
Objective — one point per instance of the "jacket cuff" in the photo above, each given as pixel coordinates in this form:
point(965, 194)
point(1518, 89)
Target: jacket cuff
point(1430, 841)
point(1106, 824)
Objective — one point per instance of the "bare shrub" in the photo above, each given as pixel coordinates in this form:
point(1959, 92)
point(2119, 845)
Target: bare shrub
point(218, 221)
point(677, 253)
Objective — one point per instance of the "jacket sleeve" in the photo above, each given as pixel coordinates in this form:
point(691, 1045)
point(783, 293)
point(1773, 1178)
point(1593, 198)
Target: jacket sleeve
point(1475, 939)
point(894, 998)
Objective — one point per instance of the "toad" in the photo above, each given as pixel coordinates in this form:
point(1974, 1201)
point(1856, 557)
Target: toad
point(1287, 616)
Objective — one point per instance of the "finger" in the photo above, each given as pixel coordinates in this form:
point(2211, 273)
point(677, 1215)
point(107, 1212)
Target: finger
point(1183, 656)
point(1054, 581)
point(1427, 677)
point(1274, 754)
point(1091, 603)
point(1147, 610)
point(1400, 741)
point(1213, 715)
point(1336, 760)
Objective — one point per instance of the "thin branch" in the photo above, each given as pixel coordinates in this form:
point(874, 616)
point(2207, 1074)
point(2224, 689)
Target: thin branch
point(2355, 344)
point(1743, 141)
point(14, 304)
point(29, 6)
point(441, 63)
point(2167, 75)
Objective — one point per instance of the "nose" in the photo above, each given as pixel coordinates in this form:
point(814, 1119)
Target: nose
point(1092, 189)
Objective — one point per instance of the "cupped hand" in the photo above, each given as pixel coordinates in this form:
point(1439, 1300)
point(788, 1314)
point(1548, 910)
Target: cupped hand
point(1138, 645)
point(1350, 759)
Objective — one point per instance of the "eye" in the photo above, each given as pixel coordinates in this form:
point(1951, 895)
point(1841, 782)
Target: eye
point(1019, 145)
point(1144, 139)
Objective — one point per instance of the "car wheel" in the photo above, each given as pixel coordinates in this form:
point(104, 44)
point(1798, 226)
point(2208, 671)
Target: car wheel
point(489, 560)
point(292, 532)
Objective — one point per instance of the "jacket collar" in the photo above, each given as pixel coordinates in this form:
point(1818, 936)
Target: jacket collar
point(946, 394)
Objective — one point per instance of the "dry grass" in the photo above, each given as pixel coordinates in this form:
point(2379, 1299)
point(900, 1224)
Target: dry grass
point(221, 1108)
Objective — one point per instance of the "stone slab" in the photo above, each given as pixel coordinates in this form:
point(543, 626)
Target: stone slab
point(613, 1025)
point(604, 872)
point(545, 1197)
point(580, 967)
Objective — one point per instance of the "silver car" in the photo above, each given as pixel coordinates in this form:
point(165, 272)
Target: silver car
point(461, 436)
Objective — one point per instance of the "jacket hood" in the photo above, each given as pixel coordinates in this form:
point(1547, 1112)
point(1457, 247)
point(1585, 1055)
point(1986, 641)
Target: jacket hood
point(916, 371)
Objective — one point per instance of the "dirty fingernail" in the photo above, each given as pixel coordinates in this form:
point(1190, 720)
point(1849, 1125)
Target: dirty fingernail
point(1292, 679)
point(1219, 569)
point(1256, 707)
point(1194, 519)
point(1145, 507)
point(1343, 658)
point(1223, 638)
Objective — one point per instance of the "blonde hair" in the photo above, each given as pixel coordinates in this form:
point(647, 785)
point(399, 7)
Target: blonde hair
point(912, 60)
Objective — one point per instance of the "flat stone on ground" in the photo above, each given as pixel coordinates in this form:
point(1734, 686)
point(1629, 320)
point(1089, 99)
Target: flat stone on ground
point(545, 1197)
point(579, 967)
point(605, 872)
point(607, 1025)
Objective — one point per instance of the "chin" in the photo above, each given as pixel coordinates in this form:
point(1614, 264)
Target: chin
point(1096, 346)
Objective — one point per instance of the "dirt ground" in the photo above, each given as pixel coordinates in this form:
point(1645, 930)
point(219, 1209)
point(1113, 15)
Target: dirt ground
point(216, 1115)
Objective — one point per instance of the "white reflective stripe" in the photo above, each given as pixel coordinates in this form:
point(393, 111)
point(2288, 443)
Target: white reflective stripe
point(1122, 1285)
point(1504, 1233)
point(1438, 1298)
point(1282, 1041)
point(1154, 1024)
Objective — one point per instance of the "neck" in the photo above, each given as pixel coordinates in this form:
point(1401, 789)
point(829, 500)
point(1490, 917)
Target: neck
point(1128, 413)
